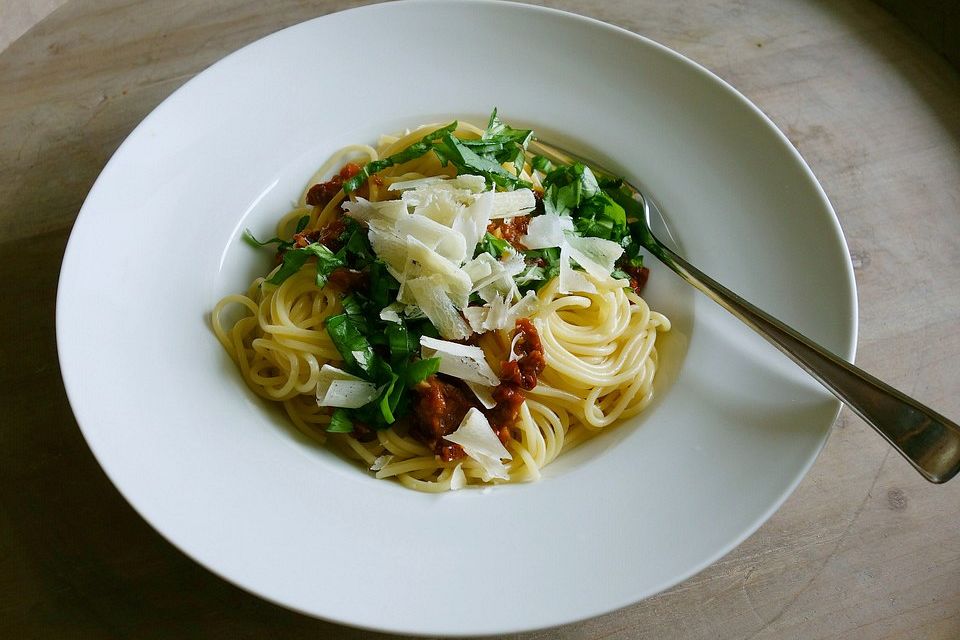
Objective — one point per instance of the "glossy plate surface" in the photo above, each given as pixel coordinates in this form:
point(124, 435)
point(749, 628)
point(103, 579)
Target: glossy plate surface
point(222, 476)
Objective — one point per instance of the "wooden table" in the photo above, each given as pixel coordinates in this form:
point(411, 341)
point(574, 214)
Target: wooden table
point(864, 548)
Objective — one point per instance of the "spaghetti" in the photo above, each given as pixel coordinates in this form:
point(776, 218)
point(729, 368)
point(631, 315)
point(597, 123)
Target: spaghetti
point(535, 340)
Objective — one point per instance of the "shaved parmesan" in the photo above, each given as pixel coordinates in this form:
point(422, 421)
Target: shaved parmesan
point(479, 442)
point(476, 184)
point(475, 317)
point(391, 313)
point(527, 306)
point(415, 183)
point(433, 301)
point(390, 248)
point(337, 388)
point(532, 273)
point(513, 346)
point(462, 361)
point(596, 255)
point(422, 260)
point(480, 267)
point(546, 231)
point(483, 392)
point(491, 277)
point(381, 462)
point(498, 314)
point(570, 280)
point(388, 210)
point(471, 221)
point(458, 480)
point(507, 204)
point(514, 263)
point(445, 241)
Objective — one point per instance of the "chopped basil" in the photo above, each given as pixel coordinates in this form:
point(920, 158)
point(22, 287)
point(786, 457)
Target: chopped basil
point(353, 346)
point(340, 422)
point(544, 263)
point(454, 151)
point(414, 151)
point(601, 217)
point(252, 241)
point(493, 245)
point(541, 164)
point(383, 286)
point(403, 344)
point(420, 370)
point(389, 400)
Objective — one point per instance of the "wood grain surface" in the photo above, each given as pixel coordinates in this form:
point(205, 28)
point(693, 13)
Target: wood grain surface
point(864, 548)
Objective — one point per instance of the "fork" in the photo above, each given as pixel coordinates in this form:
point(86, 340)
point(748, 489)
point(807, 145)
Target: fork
point(929, 441)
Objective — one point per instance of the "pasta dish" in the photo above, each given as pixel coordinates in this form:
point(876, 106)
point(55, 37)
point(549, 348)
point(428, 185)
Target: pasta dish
point(448, 310)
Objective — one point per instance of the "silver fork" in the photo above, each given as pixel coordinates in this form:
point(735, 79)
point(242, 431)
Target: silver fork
point(929, 441)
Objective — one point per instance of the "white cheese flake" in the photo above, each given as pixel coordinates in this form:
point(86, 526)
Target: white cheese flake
point(424, 261)
point(483, 392)
point(337, 388)
point(546, 231)
point(441, 239)
point(381, 462)
point(391, 312)
point(388, 211)
point(596, 255)
point(569, 279)
point(480, 443)
point(416, 183)
point(498, 314)
point(430, 296)
point(462, 361)
point(458, 479)
point(507, 204)
point(471, 221)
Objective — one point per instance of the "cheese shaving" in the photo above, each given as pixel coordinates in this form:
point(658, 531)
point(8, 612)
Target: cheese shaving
point(460, 360)
point(480, 443)
point(458, 480)
point(484, 394)
point(381, 462)
point(436, 305)
point(546, 231)
point(507, 204)
point(337, 388)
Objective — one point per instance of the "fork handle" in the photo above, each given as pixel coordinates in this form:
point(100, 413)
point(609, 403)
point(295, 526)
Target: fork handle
point(929, 441)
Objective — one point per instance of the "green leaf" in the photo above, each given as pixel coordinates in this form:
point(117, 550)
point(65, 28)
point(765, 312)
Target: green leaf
point(551, 259)
point(541, 164)
point(452, 150)
point(327, 261)
point(493, 245)
point(302, 223)
point(499, 131)
point(414, 151)
point(293, 259)
point(601, 217)
point(420, 370)
point(252, 241)
point(389, 399)
point(351, 305)
point(402, 342)
point(383, 286)
point(353, 346)
point(340, 422)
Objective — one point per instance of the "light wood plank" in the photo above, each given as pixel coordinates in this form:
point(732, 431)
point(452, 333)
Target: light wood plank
point(863, 549)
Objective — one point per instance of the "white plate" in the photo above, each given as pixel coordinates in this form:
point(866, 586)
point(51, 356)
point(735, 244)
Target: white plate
point(224, 478)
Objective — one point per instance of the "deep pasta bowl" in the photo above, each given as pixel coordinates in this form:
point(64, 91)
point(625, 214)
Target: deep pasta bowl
point(733, 428)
